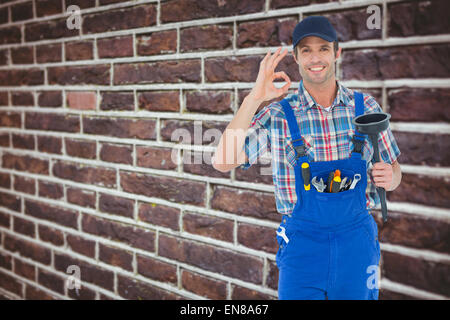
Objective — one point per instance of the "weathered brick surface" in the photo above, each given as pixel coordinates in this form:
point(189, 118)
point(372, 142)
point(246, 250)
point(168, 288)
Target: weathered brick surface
point(136, 100)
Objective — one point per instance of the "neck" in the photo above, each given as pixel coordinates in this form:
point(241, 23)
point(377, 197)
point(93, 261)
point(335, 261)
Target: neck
point(324, 94)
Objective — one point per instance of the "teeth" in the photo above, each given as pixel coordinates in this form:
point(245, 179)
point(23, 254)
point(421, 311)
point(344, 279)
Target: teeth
point(317, 69)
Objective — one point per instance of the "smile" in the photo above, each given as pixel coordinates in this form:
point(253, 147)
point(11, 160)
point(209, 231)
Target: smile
point(316, 69)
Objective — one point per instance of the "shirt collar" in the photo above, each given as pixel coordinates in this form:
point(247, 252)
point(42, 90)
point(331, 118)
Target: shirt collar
point(307, 101)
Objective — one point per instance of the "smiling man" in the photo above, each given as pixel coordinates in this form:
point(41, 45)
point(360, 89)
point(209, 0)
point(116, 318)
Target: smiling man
point(328, 244)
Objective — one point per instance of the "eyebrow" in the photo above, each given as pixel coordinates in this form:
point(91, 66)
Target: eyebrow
point(305, 45)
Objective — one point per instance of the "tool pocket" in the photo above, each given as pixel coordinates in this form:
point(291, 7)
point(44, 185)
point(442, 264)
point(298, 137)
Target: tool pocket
point(334, 208)
point(284, 239)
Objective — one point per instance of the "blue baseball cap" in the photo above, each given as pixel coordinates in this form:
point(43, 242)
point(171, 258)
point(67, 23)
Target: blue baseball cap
point(314, 26)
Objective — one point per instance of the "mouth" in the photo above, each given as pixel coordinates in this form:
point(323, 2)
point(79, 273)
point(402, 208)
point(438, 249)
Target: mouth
point(316, 69)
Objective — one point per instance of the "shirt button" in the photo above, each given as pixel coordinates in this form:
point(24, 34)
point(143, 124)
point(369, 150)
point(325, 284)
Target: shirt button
point(284, 220)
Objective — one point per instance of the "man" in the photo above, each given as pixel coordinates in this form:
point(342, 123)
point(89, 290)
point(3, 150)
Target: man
point(328, 241)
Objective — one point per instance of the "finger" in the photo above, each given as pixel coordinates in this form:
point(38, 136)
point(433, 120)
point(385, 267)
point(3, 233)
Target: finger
point(272, 58)
point(264, 60)
point(279, 57)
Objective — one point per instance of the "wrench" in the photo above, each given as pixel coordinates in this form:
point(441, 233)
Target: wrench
point(356, 178)
point(283, 234)
point(320, 185)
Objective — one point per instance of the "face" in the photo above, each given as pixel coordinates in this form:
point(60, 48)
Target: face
point(316, 60)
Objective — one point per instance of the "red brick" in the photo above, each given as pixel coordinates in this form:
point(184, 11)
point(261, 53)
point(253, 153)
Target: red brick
point(10, 201)
point(116, 153)
point(172, 189)
point(116, 257)
point(51, 235)
point(211, 258)
point(65, 217)
point(241, 293)
point(81, 100)
point(121, 128)
point(49, 144)
point(22, 77)
point(100, 176)
point(257, 237)
point(50, 99)
point(22, 11)
point(243, 202)
point(48, 7)
point(173, 71)
point(214, 102)
point(24, 269)
point(116, 205)
point(79, 50)
point(156, 42)
point(133, 236)
point(24, 227)
point(418, 18)
point(32, 293)
point(10, 284)
point(156, 270)
point(51, 190)
point(23, 184)
point(89, 74)
point(208, 226)
point(22, 55)
point(120, 19)
point(80, 197)
point(52, 122)
point(10, 35)
point(183, 10)
point(80, 245)
point(160, 215)
point(114, 100)
point(49, 29)
point(115, 47)
point(10, 119)
point(210, 37)
point(28, 249)
point(159, 101)
point(49, 53)
point(133, 289)
point(81, 148)
point(204, 286)
point(50, 280)
point(158, 158)
point(23, 141)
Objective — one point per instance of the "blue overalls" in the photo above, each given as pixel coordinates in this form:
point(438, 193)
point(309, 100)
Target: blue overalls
point(328, 245)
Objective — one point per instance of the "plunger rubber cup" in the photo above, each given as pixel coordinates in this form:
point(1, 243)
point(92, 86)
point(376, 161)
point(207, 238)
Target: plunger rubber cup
point(372, 124)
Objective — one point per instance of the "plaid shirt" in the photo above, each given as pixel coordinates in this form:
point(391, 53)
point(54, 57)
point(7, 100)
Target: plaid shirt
point(326, 134)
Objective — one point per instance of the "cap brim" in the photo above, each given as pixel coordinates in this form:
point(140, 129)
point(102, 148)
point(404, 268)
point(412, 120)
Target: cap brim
point(323, 36)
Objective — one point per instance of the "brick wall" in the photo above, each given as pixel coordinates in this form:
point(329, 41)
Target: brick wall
point(89, 121)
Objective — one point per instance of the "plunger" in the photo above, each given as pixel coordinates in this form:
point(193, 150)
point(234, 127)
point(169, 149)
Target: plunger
point(372, 124)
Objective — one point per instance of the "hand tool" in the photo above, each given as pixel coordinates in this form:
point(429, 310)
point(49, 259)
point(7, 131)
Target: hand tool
point(343, 182)
point(336, 184)
point(330, 179)
point(347, 184)
point(372, 124)
point(283, 234)
point(306, 174)
point(356, 178)
point(320, 185)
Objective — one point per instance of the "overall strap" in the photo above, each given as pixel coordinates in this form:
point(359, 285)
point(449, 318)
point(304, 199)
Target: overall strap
point(297, 141)
point(358, 138)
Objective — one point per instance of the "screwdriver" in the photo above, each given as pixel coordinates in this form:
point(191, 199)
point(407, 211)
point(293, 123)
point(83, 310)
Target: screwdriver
point(330, 180)
point(336, 185)
point(306, 174)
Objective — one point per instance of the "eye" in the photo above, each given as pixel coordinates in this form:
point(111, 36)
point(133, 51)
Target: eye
point(326, 49)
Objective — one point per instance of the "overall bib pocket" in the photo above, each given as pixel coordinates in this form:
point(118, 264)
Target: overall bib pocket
point(332, 208)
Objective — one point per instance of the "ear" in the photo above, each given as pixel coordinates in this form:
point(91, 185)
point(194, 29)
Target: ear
point(338, 53)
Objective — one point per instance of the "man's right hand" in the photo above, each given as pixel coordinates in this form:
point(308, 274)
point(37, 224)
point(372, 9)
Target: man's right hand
point(264, 89)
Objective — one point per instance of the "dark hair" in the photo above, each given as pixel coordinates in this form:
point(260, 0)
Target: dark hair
point(335, 46)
